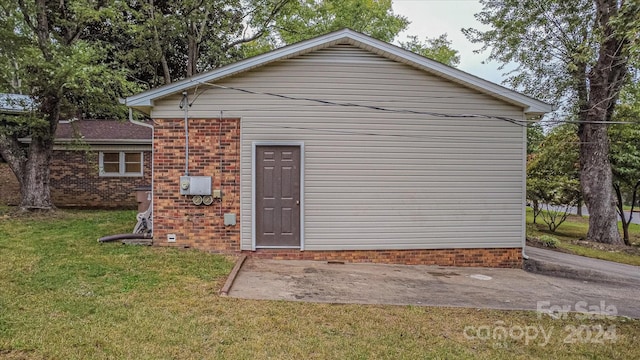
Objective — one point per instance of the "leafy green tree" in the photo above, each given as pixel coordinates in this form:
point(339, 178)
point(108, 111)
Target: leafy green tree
point(576, 50)
point(625, 159)
point(438, 49)
point(625, 154)
point(553, 176)
point(162, 41)
point(535, 136)
point(553, 152)
point(75, 58)
point(62, 73)
point(304, 19)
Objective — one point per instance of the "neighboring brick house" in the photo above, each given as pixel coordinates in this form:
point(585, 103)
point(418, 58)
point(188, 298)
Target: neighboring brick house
point(100, 163)
point(341, 147)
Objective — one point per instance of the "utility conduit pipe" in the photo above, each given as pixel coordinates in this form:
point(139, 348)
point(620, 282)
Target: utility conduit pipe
point(184, 104)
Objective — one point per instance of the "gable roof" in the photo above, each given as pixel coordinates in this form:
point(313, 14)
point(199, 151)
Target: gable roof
point(532, 107)
point(94, 132)
point(15, 103)
point(103, 131)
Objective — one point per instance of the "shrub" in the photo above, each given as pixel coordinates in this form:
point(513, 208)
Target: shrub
point(549, 241)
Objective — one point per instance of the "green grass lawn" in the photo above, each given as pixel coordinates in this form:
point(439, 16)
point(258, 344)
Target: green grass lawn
point(65, 296)
point(575, 228)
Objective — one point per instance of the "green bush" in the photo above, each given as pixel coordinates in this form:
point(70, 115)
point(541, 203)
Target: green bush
point(549, 241)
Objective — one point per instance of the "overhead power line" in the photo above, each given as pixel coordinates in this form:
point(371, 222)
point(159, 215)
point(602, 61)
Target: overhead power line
point(519, 122)
point(369, 107)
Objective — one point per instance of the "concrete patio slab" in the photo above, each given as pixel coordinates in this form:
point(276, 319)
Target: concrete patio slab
point(428, 285)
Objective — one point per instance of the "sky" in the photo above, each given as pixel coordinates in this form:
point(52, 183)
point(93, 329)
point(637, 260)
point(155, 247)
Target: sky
point(431, 18)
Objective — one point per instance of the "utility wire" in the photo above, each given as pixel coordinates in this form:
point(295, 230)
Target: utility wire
point(368, 133)
point(323, 102)
point(370, 107)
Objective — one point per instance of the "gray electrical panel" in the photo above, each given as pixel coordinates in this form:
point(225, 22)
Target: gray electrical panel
point(195, 185)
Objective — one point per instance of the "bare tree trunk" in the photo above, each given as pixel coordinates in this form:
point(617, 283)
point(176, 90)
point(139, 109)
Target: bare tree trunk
point(605, 79)
point(625, 231)
point(16, 82)
point(165, 69)
point(31, 169)
point(35, 180)
point(623, 218)
point(579, 207)
point(596, 180)
point(634, 198)
point(192, 54)
point(158, 45)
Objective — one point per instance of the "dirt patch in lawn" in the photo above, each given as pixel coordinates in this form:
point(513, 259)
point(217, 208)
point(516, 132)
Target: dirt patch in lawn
point(631, 250)
point(9, 186)
point(534, 242)
point(578, 219)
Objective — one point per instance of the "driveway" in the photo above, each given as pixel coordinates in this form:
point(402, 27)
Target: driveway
point(514, 289)
point(556, 263)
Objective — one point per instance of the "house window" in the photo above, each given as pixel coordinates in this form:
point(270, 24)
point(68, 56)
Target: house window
point(121, 163)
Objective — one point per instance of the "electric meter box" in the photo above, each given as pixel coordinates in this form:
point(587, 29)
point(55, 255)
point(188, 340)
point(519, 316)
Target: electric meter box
point(195, 185)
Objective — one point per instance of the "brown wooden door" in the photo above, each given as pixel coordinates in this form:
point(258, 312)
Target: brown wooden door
point(277, 196)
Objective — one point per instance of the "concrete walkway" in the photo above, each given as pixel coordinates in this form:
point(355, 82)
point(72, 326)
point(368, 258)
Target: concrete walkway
point(555, 263)
point(514, 289)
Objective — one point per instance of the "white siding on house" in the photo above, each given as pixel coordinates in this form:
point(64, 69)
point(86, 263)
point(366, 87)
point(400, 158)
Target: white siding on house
point(378, 179)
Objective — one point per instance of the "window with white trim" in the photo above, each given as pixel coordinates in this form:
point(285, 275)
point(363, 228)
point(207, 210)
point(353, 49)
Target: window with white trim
point(121, 163)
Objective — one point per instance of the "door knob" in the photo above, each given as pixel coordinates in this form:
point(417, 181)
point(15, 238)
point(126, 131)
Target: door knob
point(297, 202)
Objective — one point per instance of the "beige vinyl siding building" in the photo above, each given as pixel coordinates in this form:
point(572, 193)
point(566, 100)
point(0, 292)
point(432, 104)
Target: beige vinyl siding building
point(394, 156)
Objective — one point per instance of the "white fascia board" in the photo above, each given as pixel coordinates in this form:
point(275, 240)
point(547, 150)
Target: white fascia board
point(114, 141)
point(144, 101)
point(96, 141)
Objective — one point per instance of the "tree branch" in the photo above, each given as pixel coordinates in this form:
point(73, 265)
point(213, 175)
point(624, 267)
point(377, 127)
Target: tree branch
point(263, 28)
point(633, 199)
point(619, 205)
point(42, 29)
point(25, 15)
point(13, 154)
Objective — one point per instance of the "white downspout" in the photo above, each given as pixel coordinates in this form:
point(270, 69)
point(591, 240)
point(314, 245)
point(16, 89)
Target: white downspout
point(184, 104)
point(524, 193)
point(153, 175)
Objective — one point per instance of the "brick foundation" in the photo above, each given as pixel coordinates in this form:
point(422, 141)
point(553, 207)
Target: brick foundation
point(499, 258)
point(213, 151)
point(76, 182)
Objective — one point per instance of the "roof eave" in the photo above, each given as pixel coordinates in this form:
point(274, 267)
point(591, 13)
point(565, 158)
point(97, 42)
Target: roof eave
point(144, 107)
point(114, 141)
point(13, 112)
point(96, 141)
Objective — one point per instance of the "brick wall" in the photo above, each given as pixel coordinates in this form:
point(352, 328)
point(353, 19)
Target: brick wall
point(502, 258)
point(210, 141)
point(75, 182)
